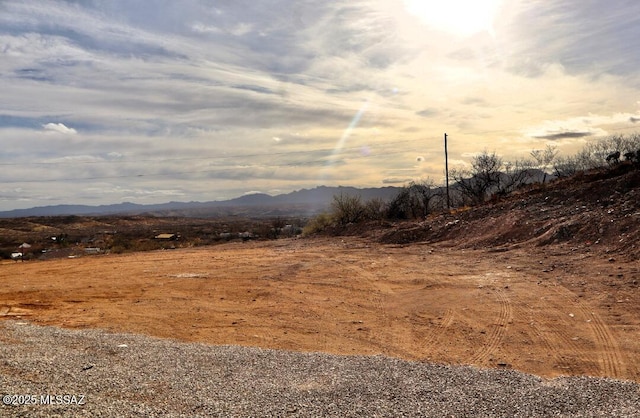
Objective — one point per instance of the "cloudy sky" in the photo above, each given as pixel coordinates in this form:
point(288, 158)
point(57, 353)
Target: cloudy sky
point(159, 100)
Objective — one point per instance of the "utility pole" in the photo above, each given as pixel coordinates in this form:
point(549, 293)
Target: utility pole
point(446, 170)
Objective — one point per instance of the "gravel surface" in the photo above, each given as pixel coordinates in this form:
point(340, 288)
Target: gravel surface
point(111, 375)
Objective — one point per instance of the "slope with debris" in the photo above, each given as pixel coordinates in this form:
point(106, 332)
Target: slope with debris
point(598, 211)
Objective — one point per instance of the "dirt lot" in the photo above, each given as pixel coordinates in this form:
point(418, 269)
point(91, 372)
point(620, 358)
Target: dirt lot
point(544, 310)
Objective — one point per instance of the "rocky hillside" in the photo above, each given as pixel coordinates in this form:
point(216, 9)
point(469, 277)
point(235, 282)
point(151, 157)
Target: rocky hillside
point(599, 210)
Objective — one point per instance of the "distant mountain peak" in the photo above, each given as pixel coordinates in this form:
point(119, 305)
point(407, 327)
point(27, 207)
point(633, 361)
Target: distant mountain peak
point(315, 200)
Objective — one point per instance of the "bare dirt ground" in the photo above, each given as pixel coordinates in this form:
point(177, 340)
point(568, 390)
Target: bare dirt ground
point(548, 310)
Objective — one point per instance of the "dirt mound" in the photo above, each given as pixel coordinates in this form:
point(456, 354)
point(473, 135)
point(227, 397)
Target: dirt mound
point(599, 210)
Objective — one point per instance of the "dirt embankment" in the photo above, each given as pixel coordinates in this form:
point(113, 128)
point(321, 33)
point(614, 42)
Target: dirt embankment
point(598, 212)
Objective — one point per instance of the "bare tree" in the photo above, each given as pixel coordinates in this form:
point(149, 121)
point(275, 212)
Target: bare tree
point(400, 205)
point(483, 177)
point(544, 158)
point(566, 166)
point(347, 209)
point(595, 154)
point(413, 200)
point(515, 174)
point(424, 193)
point(374, 209)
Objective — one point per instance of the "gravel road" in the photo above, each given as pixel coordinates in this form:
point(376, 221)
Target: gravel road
point(112, 375)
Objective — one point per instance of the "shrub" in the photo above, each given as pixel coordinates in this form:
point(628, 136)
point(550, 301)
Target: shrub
point(375, 209)
point(347, 209)
point(317, 224)
point(413, 201)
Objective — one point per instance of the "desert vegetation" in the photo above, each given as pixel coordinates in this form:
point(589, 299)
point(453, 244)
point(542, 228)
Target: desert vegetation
point(488, 177)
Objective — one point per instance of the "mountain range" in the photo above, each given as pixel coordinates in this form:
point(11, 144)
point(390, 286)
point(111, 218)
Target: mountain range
point(298, 203)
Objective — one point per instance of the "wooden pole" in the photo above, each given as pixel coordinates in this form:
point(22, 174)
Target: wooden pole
point(446, 170)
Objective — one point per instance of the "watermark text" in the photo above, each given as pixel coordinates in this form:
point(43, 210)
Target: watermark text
point(46, 399)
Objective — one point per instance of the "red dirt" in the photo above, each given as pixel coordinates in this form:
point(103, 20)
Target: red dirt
point(547, 311)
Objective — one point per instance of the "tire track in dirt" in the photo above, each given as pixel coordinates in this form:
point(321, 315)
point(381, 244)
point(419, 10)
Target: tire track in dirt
point(568, 344)
point(565, 352)
point(551, 349)
point(608, 359)
point(447, 319)
point(560, 346)
point(607, 347)
point(393, 342)
point(558, 337)
point(349, 276)
point(437, 335)
point(499, 328)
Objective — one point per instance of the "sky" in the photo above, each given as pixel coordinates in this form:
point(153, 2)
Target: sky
point(151, 101)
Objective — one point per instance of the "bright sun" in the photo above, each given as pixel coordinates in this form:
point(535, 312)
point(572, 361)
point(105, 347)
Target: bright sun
point(460, 17)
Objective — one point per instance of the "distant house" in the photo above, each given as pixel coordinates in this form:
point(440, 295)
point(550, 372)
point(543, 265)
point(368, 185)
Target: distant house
point(290, 230)
point(245, 235)
point(167, 237)
point(21, 253)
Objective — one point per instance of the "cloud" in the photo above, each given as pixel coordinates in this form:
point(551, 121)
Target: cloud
point(179, 96)
point(583, 37)
point(563, 135)
point(396, 180)
point(591, 125)
point(126, 193)
point(474, 101)
point(428, 113)
point(60, 128)
point(255, 89)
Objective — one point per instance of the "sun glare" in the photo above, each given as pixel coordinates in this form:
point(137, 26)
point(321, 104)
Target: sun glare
point(460, 17)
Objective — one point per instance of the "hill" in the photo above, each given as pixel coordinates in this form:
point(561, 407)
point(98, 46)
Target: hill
point(598, 209)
